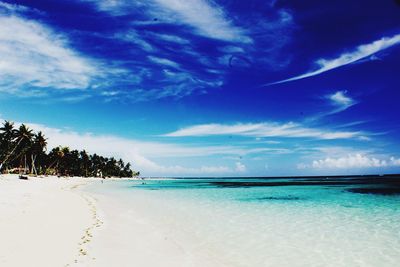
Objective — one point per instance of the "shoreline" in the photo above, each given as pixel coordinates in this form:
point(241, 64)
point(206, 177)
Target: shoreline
point(136, 233)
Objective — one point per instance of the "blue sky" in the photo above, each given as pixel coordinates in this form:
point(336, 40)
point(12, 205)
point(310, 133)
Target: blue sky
point(209, 88)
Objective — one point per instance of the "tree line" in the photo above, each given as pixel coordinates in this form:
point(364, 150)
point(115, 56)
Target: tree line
point(25, 151)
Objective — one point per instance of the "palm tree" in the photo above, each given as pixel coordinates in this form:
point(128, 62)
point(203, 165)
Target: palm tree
point(23, 140)
point(38, 148)
point(24, 137)
point(6, 141)
point(127, 172)
point(84, 163)
point(61, 155)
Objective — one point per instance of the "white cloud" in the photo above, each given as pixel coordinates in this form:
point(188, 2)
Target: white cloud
point(341, 99)
point(164, 61)
point(33, 55)
point(335, 151)
point(206, 17)
point(240, 167)
point(133, 37)
point(360, 52)
point(170, 38)
point(262, 130)
point(354, 161)
point(394, 161)
point(13, 7)
point(119, 7)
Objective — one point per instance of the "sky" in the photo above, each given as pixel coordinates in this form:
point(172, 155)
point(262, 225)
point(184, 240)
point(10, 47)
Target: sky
point(209, 88)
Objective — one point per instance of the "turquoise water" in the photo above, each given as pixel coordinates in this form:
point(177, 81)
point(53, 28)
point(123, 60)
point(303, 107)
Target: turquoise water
point(351, 221)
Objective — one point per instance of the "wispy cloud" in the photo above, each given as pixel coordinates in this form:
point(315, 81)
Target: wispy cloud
point(339, 98)
point(170, 38)
point(358, 53)
point(12, 7)
point(337, 102)
point(33, 55)
point(290, 129)
point(164, 61)
point(354, 161)
point(207, 18)
point(173, 89)
point(341, 101)
point(132, 36)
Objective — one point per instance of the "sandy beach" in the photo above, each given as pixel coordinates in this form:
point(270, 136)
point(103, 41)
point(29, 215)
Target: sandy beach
point(44, 221)
point(136, 231)
point(53, 222)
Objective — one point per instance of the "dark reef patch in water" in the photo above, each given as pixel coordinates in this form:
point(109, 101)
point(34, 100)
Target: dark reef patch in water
point(347, 183)
point(280, 198)
point(385, 191)
point(375, 180)
point(271, 198)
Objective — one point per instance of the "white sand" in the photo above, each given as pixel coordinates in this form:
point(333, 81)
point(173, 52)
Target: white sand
point(42, 221)
point(134, 234)
point(53, 222)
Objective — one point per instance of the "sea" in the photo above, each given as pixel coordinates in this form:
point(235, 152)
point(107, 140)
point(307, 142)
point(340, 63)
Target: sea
point(278, 221)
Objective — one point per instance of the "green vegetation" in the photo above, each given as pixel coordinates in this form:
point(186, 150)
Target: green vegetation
point(22, 150)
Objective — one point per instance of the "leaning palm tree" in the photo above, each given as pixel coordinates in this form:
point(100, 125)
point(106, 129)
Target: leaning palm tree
point(23, 140)
point(24, 137)
point(57, 156)
point(7, 135)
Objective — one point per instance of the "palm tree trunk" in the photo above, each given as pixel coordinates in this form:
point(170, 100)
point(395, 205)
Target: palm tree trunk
point(25, 164)
point(33, 167)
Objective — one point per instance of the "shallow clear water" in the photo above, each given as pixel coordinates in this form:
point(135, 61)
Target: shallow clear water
point(353, 221)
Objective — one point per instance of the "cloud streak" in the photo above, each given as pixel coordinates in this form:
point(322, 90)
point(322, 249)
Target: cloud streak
point(33, 55)
point(206, 17)
point(341, 101)
point(358, 53)
point(164, 61)
point(291, 130)
point(355, 161)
